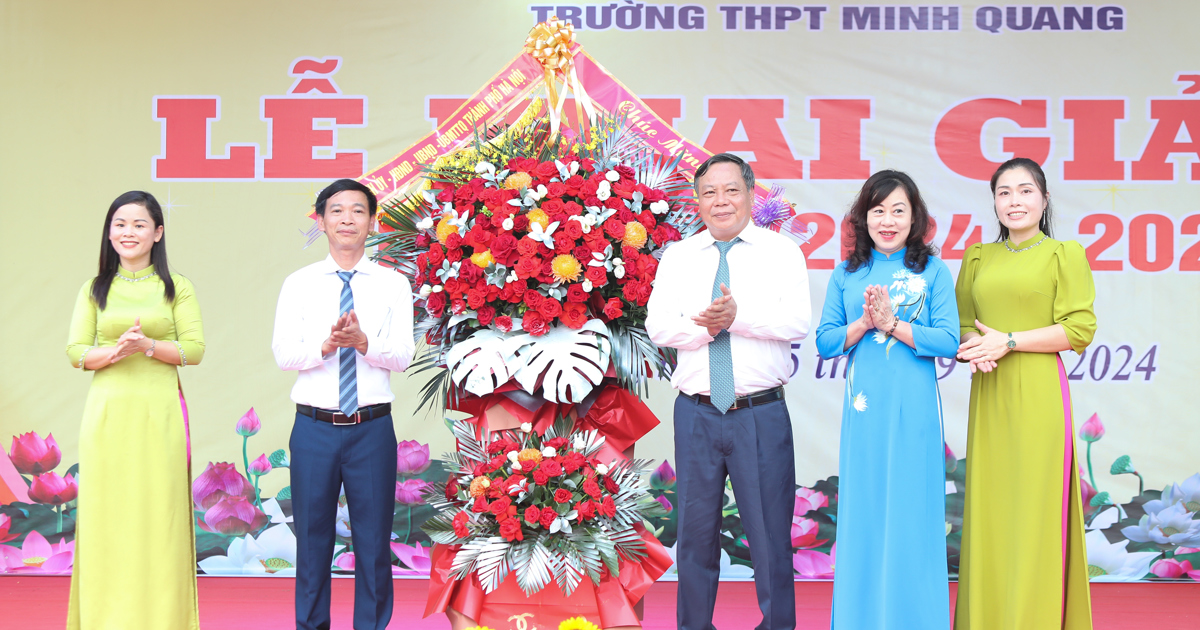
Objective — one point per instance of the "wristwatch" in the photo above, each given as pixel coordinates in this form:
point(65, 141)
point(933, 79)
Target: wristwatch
point(1012, 343)
point(150, 350)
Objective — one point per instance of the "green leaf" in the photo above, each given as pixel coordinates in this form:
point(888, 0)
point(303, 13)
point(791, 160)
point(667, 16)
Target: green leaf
point(284, 494)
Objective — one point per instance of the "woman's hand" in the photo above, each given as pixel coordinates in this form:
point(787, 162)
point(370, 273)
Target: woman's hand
point(985, 350)
point(131, 341)
point(881, 307)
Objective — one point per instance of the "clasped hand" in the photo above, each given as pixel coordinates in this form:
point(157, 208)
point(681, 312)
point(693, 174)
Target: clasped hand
point(719, 315)
point(877, 309)
point(345, 333)
point(983, 351)
point(130, 342)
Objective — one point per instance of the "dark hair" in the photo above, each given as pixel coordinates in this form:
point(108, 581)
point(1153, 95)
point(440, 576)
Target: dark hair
point(110, 260)
point(747, 172)
point(1039, 179)
point(874, 191)
point(343, 185)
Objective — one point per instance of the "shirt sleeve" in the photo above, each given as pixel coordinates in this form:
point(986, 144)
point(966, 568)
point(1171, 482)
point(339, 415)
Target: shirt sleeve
point(666, 323)
point(940, 337)
point(831, 334)
point(189, 330)
point(789, 317)
point(292, 351)
point(1074, 296)
point(392, 348)
point(82, 335)
point(966, 278)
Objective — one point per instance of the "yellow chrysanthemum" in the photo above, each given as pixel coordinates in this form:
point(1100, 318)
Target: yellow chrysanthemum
point(479, 486)
point(537, 216)
point(483, 259)
point(577, 623)
point(565, 268)
point(530, 455)
point(635, 234)
point(517, 181)
point(445, 229)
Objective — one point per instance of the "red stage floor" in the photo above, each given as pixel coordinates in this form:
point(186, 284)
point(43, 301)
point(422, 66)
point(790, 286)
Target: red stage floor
point(40, 603)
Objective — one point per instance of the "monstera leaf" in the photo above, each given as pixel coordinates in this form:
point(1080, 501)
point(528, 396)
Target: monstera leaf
point(567, 363)
point(482, 362)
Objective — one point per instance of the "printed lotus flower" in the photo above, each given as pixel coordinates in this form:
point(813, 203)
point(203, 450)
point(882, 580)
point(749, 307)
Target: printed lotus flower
point(342, 524)
point(1109, 562)
point(260, 466)
point(5, 524)
point(410, 492)
point(952, 460)
point(344, 561)
point(54, 490)
point(272, 553)
point(32, 455)
point(663, 477)
point(37, 555)
point(1092, 430)
point(414, 559)
point(1170, 526)
point(233, 516)
point(1086, 492)
point(665, 503)
point(860, 402)
point(1171, 568)
point(272, 509)
point(248, 424)
point(1187, 493)
point(218, 481)
point(815, 565)
point(412, 457)
point(804, 533)
point(807, 500)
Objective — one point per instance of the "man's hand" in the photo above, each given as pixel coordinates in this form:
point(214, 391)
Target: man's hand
point(329, 345)
point(350, 335)
point(719, 315)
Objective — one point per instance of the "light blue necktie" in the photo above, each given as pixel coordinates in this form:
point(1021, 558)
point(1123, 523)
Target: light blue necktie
point(720, 356)
point(347, 364)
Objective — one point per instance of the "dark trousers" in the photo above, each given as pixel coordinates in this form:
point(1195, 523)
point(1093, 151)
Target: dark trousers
point(753, 447)
point(363, 458)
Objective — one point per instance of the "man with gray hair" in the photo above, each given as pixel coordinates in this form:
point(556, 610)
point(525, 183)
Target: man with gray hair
point(731, 300)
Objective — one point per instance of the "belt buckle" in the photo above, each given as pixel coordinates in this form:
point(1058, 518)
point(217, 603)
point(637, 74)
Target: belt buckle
point(356, 419)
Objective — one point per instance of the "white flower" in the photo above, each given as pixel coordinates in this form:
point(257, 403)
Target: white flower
point(579, 443)
point(587, 286)
point(273, 552)
point(860, 402)
point(426, 290)
point(535, 194)
point(1187, 493)
point(1109, 562)
point(585, 221)
point(548, 452)
point(612, 176)
point(512, 456)
point(425, 224)
point(342, 524)
point(271, 508)
point(574, 168)
point(485, 167)
point(603, 191)
point(512, 277)
point(507, 224)
point(526, 426)
point(437, 288)
point(1170, 526)
point(660, 207)
point(618, 268)
point(601, 469)
point(880, 336)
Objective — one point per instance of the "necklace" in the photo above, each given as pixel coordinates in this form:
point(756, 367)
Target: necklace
point(1017, 251)
point(128, 279)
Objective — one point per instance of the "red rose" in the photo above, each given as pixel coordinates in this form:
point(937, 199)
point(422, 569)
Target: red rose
point(625, 172)
point(587, 164)
point(454, 255)
point(520, 223)
point(614, 203)
point(485, 315)
point(499, 507)
point(588, 190)
point(479, 237)
point(540, 478)
point(611, 485)
point(458, 306)
point(664, 234)
point(592, 488)
point(587, 510)
point(574, 315)
point(624, 188)
point(464, 195)
point(454, 241)
point(573, 183)
point(436, 255)
point(479, 506)
point(564, 245)
point(556, 189)
point(562, 495)
point(502, 246)
point(504, 323)
point(533, 515)
point(575, 293)
point(614, 229)
point(612, 308)
point(647, 219)
point(608, 507)
point(597, 275)
point(435, 305)
point(476, 298)
point(499, 446)
point(551, 467)
point(527, 247)
point(528, 267)
point(642, 292)
point(550, 308)
point(471, 274)
point(534, 323)
point(572, 209)
point(548, 517)
point(557, 442)
point(510, 529)
point(546, 170)
point(653, 194)
point(460, 525)
point(572, 229)
point(447, 194)
point(533, 299)
point(552, 207)
point(572, 461)
point(423, 262)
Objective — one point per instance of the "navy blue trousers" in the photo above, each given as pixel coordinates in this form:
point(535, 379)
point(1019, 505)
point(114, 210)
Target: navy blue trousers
point(753, 448)
point(363, 458)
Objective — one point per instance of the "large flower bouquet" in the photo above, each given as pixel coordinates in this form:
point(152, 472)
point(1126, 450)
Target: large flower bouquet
point(540, 506)
point(534, 254)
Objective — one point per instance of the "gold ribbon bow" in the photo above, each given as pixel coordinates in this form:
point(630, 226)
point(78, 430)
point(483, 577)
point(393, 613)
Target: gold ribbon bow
point(550, 43)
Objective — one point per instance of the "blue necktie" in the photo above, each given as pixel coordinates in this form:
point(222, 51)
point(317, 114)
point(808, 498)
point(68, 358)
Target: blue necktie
point(720, 356)
point(347, 363)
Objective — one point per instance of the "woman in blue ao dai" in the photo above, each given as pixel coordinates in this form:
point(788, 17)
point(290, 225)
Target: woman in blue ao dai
point(891, 307)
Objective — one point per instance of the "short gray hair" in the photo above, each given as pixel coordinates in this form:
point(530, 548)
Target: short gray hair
point(747, 172)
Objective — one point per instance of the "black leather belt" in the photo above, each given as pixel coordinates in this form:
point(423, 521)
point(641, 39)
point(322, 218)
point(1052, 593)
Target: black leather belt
point(336, 417)
point(741, 402)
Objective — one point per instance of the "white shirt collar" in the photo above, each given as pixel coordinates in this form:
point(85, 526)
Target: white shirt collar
point(364, 265)
point(751, 234)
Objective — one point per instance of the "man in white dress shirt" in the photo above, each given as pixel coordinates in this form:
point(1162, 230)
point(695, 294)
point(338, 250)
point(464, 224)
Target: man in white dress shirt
point(732, 299)
point(345, 324)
